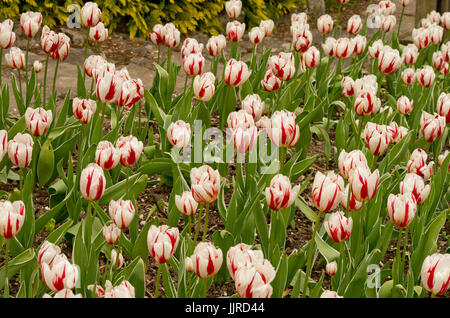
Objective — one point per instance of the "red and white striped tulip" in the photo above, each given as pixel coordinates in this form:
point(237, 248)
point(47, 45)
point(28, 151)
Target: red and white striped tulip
point(396, 132)
point(267, 26)
point(445, 20)
point(386, 7)
point(410, 54)
point(280, 194)
point(190, 46)
point(111, 233)
point(193, 64)
point(179, 134)
point(240, 255)
point(15, 58)
point(330, 293)
point(20, 150)
point(445, 69)
point(376, 48)
point(90, 14)
point(282, 65)
point(377, 138)
point(331, 268)
point(47, 253)
point(409, 76)
point(325, 24)
point(438, 60)
point(244, 138)
point(338, 227)
point(253, 280)
point(121, 212)
point(436, 34)
point(204, 86)
point(3, 143)
point(421, 37)
point(60, 274)
point(30, 22)
point(186, 203)
point(443, 106)
point(389, 60)
point(216, 44)
point(7, 36)
point(311, 57)
point(435, 273)
point(363, 183)
point(49, 40)
point(205, 184)
point(38, 120)
point(157, 34)
point(92, 182)
point(417, 164)
point(235, 31)
point(360, 44)
point(84, 109)
point(327, 191)
point(344, 48)
point(240, 118)
point(283, 130)
point(256, 35)
point(108, 85)
point(253, 105)
point(404, 105)
point(233, 8)
point(171, 35)
point(130, 150)
point(354, 24)
point(442, 157)
point(206, 260)
point(92, 62)
point(388, 22)
point(329, 46)
point(348, 161)
point(354, 204)
point(425, 76)
point(37, 66)
point(236, 73)
point(348, 86)
point(299, 18)
point(98, 33)
point(367, 103)
point(263, 123)
point(431, 126)
point(415, 185)
point(301, 37)
point(62, 52)
point(106, 155)
point(116, 260)
point(162, 242)
point(445, 49)
point(401, 208)
point(12, 216)
point(270, 82)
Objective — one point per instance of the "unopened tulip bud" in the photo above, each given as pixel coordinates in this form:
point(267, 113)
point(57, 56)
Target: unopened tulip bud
point(92, 182)
point(325, 24)
point(171, 35)
point(431, 126)
point(106, 155)
point(348, 161)
point(270, 82)
point(244, 138)
point(98, 33)
point(253, 280)
point(205, 184)
point(327, 191)
point(20, 150)
point(84, 109)
point(190, 46)
point(396, 132)
point(388, 22)
point(347, 85)
point(443, 106)
point(47, 253)
point(60, 274)
point(193, 64)
point(389, 60)
point(37, 66)
point(179, 134)
point(157, 34)
point(235, 31)
point(376, 48)
point(206, 260)
point(256, 35)
point(435, 273)
point(401, 208)
point(409, 76)
point(240, 119)
point(116, 260)
point(236, 73)
point(367, 103)
point(7, 36)
point(417, 164)
point(280, 195)
point(90, 14)
point(421, 37)
point(283, 130)
point(12, 216)
point(130, 150)
point(354, 24)
point(329, 47)
point(344, 48)
point(38, 120)
point(92, 62)
point(311, 57)
point(30, 22)
point(364, 184)
point(122, 213)
point(415, 185)
point(216, 44)
point(204, 86)
point(282, 66)
point(338, 227)
point(233, 8)
point(404, 105)
point(111, 233)
point(267, 26)
point(405, 2)
point(301, 37)
point(360, 44)
point(186, 203)
point(162, 242)
point(15, 58)
point(331, 268)
point(253, 105)
point(410, 54)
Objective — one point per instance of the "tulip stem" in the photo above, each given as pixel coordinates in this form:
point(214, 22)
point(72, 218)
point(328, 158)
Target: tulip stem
point(360, 230)
point(88, 232)
point(405, 246)
point(45, 81)
point(6, 289)
point(190, 225)
point(197, 228)
point(26, 60)
point(398, 256)
point(54, 78)
point(185, 85)
point(205, 228)
point(282, 158)
point(1, 58)
point(342, 259)
point(20, 82)
point(158, 274)
point(400, 23)
point(20, 179)
point(310, 255)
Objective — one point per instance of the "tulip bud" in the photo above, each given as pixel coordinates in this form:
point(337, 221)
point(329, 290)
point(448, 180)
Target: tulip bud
point(15, 58)
point(435, 273)
point(253, 105)
point(240, 119)
point(363, 183)
point(410, 54)
point(98, 33)
point(7, 36)
point(367, 103)
point(205, 184)
point(415, 185)
point(256, 35)
point(38, 120)
point(376, 48)
point(240, 255)
point(438, 60)
point(445, 49)
point(280, 195)
point(386, 7)
point(331, 268)
point(193, 64)
point(253, 280)
point(130, 150)
point(443, 106)
point(111, 233)
point(236, 73)
point(206, 260)
point(270, 82)
point(179, 134)
point(431, 126)
point(121, 213)
point(329, 47)
point(311, 57)
point(442, 157)
point(396, 133)
point(404, 105)
point(338, 227)
point(186, 203)
point(389, 60)
point(37, 66)
point(354, 24)
point(409, 76)
point(30, 22)
point(421, 37)
point(47, 253)
point(204, 86)
point(327, 191)
point(107, 86)
point(131, 92)
point(190, 46)
point(377, 138)
point(401, 208)
point(116, 261)
point(301, 37)
point(91, 63)
point(12, 216)
point(417, 164)
point(425, 76)
point(157, 34)
point(171, 35)
point(360, 44)
point(347, 85)
point(3, 143)
point(267, 26)
point(282, 66)
point(62, 52)
point(445, 69)
point(325, 24)
point(354, 204)
point(84, 109)
point(90, 14)
point(233, 8)
point(330, 293)
point(348, 161)
point(92, 182)
point(20, 150)
point(283, 130)
point(263, 123)
point(434, 17)
point(244, 138)
point(216, 44)
point(388, 22)
point(235, 31)
point(445, 20)
point(162, 242)
point(60, 274)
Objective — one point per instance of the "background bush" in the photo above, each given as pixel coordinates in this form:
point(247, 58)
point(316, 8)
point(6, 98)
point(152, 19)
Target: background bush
point(139, 16)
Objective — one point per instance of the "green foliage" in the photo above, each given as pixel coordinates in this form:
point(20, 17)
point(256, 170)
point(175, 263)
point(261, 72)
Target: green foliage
point(139, 16)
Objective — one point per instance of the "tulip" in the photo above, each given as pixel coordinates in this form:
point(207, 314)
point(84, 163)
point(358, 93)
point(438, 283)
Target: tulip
point(436, 34)
point(344, 48)
point(179, 134)
point(49, 40)
point(38, 120)
point(331, 268)
point(3, 143)
point(130, 150)
point(253, 105)
point(354, 204)
point(443, 106)
point(162, 242)
point(360, 44)
point(425, 76)
point(124, 290)
point(131, 92)
point(193, 64)
point(190, 46)
point(325, 24)
point(421, 37)
point(62, 52)
point(30, 22)
point(206, 260)
point(90, 14)
point(409, 76)
point(12, 216)
point(107, 86)
point(338, 227)
point(301, 38)
point(270, 82)
point(329, 47)
point(37, 66)
point(233, 8)
point(20, 150)
point(280, 195)
point(435, 273)
point(63, 293)
point(389, 60)
point(91, 63)
point(111, 233)
point(354, 24)
point(415, 185)
point(330, 293)
point(283, 130)
point(348, 161)
point(205, 184)
point(15, 58)
point(299, 18)
point(445, 20)
point(253, 280)
point(442, 157)
point(363, 183)
point(377, 138)
point(445, 69)
point(417, 164)
point(171, 35)
point(388, 22)
point(267, 26)
point(410, 54)
point(327, 191)
point(431, 126)
point(396, 133)
point(116, 260)
point(186, 203)
point(236, 73)
point(84, 109)
point(376, 48)
point(240, 118)
point(204, 86)
point(404, 105)
point(347, 85)
point(445, 49)
point(235, 31)
point(401, 208)
point(98, 33)
point(241, 255)
point(92, 182)
point(434, 17)
point(60, 274)
point(367, 103)
point(121, 213)
point(263, 123)
point(282, 66)
point(157, 34)
point(311, 57)
point(7, 36)
point(386, 7)
point(47, 253)
point(216, 44)
point(256, 35)
point(244, 138)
